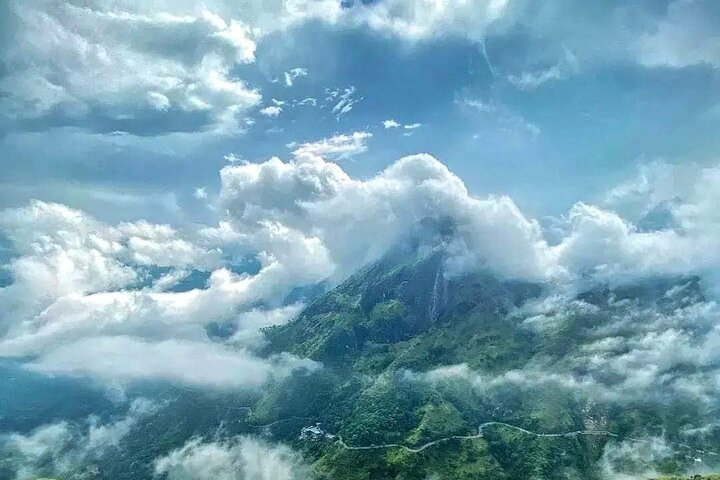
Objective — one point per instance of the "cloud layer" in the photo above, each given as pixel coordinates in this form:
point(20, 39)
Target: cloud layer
point(171, 66)
point(79, 65)
point(82, 289)
point(66, 448)
point(242, 458)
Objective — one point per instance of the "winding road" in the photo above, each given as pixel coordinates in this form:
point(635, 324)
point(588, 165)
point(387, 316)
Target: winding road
point(471, 437)
point(602, 433)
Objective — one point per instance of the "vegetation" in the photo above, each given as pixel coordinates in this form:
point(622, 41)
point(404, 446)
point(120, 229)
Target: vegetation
point(377, 335)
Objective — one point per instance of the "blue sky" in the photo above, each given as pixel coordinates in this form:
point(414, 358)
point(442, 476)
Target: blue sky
point(568, 99)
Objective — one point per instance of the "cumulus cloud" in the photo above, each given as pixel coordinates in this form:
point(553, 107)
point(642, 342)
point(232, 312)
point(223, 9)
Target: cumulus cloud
point(652, 347)
point(65, 448)
point(637, 348)
point(243, 458)
point(673, 203)
point(79, 65)
point(81, 288)
point(166, 67)
point(316, 200)
point(676, 191)
point(81, 293)
point(250, 323)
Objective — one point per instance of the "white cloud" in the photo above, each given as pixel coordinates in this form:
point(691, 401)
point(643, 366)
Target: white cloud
point(604, 243)
point(271, 111)
point(308, 101)
point(83, 289)
point(342, 101)
point(628, 460)
point(521, 378)
point(293, 74)
point(562, 36)
point(424, 19)
point(634, 349)
point(200, 193)
point(391, 123)
point(126, 359)
point(78, 64)
point(65, 448)
point(529, 80)
point(339, 147)
point(318, 201)
point(249, 324)
point(161, 245)
point(628, 350)
point(77, 297)
point(504, 116)
point(233, 158)
point(688, 35)
point(243, 458)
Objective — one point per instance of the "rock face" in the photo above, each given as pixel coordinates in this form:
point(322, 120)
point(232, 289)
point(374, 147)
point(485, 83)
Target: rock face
point(405, 294)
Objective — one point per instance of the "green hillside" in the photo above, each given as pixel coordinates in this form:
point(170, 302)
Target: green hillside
point(404, 315)
point(429, 374)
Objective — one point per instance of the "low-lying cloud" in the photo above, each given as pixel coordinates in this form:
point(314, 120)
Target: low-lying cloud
point(66, 448)
point(242, 458)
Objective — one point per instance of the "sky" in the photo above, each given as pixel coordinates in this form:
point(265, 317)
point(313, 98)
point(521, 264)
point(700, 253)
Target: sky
point(125, 110)
point(172, 165)
point(168, 165)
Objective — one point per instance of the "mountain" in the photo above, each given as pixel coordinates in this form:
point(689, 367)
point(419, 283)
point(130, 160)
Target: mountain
point(404, 312)
point(429, 373)
point(412, 355)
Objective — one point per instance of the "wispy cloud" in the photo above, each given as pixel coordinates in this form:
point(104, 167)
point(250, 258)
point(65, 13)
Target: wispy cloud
point(293, 74)
point(338, 147)
point(343, 100)
point(507, 118)
point(392, 123)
